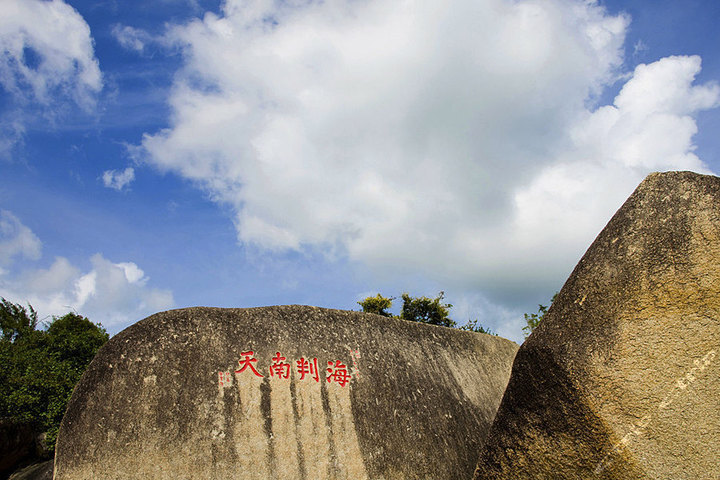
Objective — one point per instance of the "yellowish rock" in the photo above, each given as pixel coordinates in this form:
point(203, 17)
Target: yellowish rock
point(622, 378)
point(287, 392)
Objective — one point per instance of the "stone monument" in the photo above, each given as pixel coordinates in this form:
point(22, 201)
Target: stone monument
point(290, 392)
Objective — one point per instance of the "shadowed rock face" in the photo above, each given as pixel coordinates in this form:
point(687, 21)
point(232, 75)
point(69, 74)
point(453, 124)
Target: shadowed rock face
point(244, 394)
point(621, 380)
point(17, 443)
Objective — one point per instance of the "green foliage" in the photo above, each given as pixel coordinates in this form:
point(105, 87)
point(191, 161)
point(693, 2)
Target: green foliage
point(421, 309)
point(533, 319)
point(16, 322)
point(39, 368)
point(378, 305)
point(475, 326)
point(426, 310)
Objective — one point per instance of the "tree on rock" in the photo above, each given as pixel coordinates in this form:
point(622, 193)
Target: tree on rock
point(420, 309)
point(378, 305)
point(427, 310)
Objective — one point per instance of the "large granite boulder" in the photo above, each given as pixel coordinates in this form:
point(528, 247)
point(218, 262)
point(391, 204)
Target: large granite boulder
point(620, 380)
point(287, 392)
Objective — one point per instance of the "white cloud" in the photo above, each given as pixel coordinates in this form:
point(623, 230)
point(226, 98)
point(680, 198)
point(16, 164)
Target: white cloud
point(117, 179)
point(648, 128)
point(16, 239)
point(59, 40)
point(452, 140)
point(46, 58)
point(115, 294)
point(639, 47)
point(131, 38)
point(12, 131)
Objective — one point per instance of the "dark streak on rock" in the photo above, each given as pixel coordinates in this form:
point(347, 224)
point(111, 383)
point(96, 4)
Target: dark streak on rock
point(296, 415)
point(230, 398)
point(332, 466)
point(266, 409)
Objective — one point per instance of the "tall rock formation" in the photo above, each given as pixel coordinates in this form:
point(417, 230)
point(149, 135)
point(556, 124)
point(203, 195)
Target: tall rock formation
point(287, 392)
point(622, 378)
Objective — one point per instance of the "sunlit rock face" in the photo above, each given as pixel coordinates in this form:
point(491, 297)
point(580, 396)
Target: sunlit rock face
point(289, 392)
point(621, 379)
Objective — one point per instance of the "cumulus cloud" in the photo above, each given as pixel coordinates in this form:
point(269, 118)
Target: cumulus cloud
point(459, 141)
point(16, 239)
point(114, 293)
point(47, 46)
point(46, 58)
point(117, 179)
point(648, 128)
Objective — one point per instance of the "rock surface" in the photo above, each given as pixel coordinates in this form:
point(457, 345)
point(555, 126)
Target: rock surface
point(179, 396)
point(37, 471)
point(621, 380)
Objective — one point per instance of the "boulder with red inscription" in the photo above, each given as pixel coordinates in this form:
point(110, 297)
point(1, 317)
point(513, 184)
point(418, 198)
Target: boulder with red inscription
point(288, 392)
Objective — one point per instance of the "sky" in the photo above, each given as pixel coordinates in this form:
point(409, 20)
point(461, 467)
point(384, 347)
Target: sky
point(173, 153)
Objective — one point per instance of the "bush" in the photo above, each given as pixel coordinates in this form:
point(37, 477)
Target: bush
point(427, 310)
point(378, 305)
point(532, 320)
point(39, 368)
point(420, 309)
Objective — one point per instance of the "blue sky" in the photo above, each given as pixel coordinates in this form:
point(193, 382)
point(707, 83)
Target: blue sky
point(175, 153)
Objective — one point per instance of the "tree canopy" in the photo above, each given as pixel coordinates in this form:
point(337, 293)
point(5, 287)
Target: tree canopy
point(420, 309)
point(427, 310)
point(39, 368)
point(378, 305)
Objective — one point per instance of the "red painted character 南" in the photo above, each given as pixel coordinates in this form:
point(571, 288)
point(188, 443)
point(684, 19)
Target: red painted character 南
point(247, 361)
point(338, 373)
point(307, 367)
point(279, 367)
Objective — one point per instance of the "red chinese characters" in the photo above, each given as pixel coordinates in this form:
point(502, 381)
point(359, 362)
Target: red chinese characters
point(308, 367)
point(355, 354)
point(279, 367)
point(224, 379)
point(247, 361)
point(338, 373)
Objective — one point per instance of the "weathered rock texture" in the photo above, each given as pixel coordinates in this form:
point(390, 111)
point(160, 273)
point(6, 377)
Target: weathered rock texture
point(37, 471)
point(620, 381)
point(175, 397)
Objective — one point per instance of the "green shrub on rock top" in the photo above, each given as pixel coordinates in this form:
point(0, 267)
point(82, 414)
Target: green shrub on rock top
point(420, 309)
point(427, 310)
point(378, 305)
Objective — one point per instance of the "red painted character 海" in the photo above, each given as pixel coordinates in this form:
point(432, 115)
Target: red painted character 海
point(338, 373)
